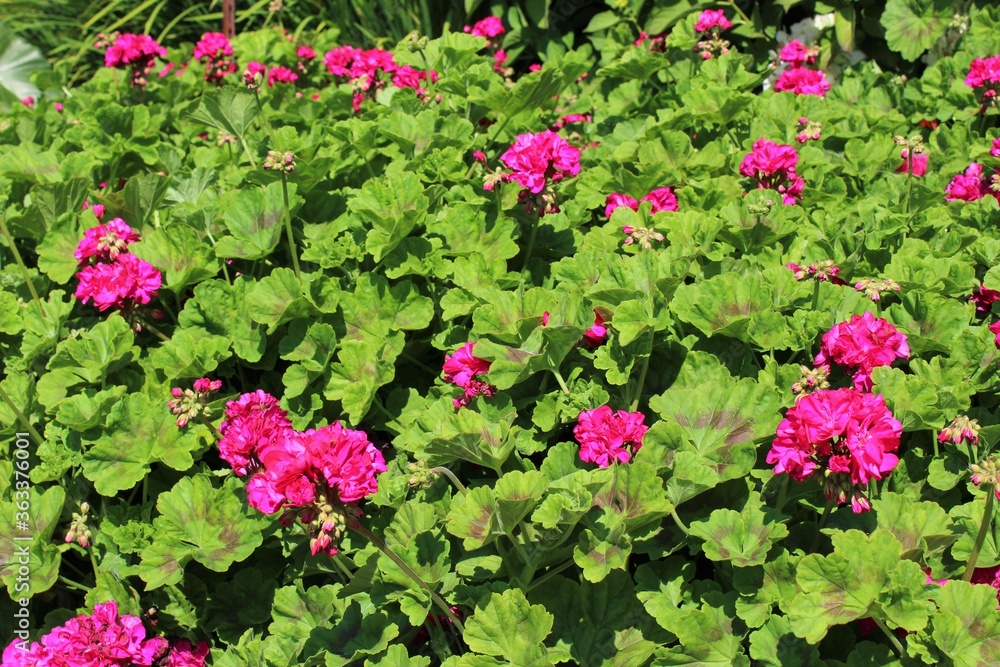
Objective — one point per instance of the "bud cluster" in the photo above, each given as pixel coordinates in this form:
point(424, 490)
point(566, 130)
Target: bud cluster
point(809, 130)
point(280, 161)
point(962, 429)
point(78, 531)
point(641, 235)
point(874, 289)
point(192, 403)
point(813, 379)
point(421, 476)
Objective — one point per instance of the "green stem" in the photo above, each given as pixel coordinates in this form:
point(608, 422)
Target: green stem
point(677, 520)
point(782, 493)
point(246, 149)
point(562, 383)
point(288, 226)
point(20, 416)
point(934, 443)
point(892, 638)
point(159, 334)
point(20, 263)
point(815, 295)
point(72, 584)
point(451, 476)
point(984, 527)
point(550, 573)
point(531, 242)
point(343, 568)
point(438, 600)
point(642, 376)
point(909, 179)
point(821, 524)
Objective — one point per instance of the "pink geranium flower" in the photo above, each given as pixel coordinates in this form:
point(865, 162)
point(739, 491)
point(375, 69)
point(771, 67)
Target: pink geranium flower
point(489, 27)
point(663, 199)
point(537, 161)
point(919, 163)
point(215, 50)
point(773, 167)
point(862, 344)
point(597, 333)
point(105, 242)
point(984, 298)
point(606, 436)
point(849, 434)
point(280, 74)
point(185, 654)
point(462, 368)
point(306, 53)
point(122, 284)
point(802, 81)
point(712, 18)
point(972, 185)
point(138, 52)
point(103, 638)
point(796, 54)
point(995, 329)
point(984, 75)
point(615, 200)
point(995, 148)
point(251, 422)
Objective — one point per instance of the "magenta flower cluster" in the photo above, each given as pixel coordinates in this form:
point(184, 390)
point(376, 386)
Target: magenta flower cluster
point(536, 161)
point(215, 50)
point(370, 71)
point(798, 78)
point(112, 277)
point(607, 436)
point(104, 639)
point(315, 476)
point(137, 52)
point(463, 368)
point(845, 435)
point(862, 344)
point(662, 199)
point(773, 167)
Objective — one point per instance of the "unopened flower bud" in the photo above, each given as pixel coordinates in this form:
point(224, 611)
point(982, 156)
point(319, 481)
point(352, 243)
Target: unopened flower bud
point(962, 429)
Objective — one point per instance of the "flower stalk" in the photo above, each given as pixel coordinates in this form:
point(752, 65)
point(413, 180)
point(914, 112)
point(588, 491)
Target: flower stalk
point(984, 527)
point(384, 548)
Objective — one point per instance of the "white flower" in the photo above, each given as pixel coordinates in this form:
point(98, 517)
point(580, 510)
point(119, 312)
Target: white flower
point(823, 21)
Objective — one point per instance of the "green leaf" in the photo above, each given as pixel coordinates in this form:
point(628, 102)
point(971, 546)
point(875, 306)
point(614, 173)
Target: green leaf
point(224, 310)
point(707, 638)
point(597, 625)
point(213, 526)
point(391, 208)
point(230, 109)
point(922, 528)
point(356, 635)
point(179, 253)
point(137, 433)
point(508, 626)
point(362, 367)
point(26, 525)
point(282, 297)
point(719, 417)
point(722, 305)
point(297, 611)
point(912, 26)
point(190, 353)
point(742, 538)
point(253, 217)
point(87, 359)
point(18, 61)
point(966, 627)
point(484, 514)
point(864, 576)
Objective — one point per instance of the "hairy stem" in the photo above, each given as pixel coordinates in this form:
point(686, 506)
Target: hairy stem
point(20, 416)
point(677, 520)
point(20, 263)
point(892, 638)
point(288, 226)
point(438, 600)
point(451, 476)
point(984, 527)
